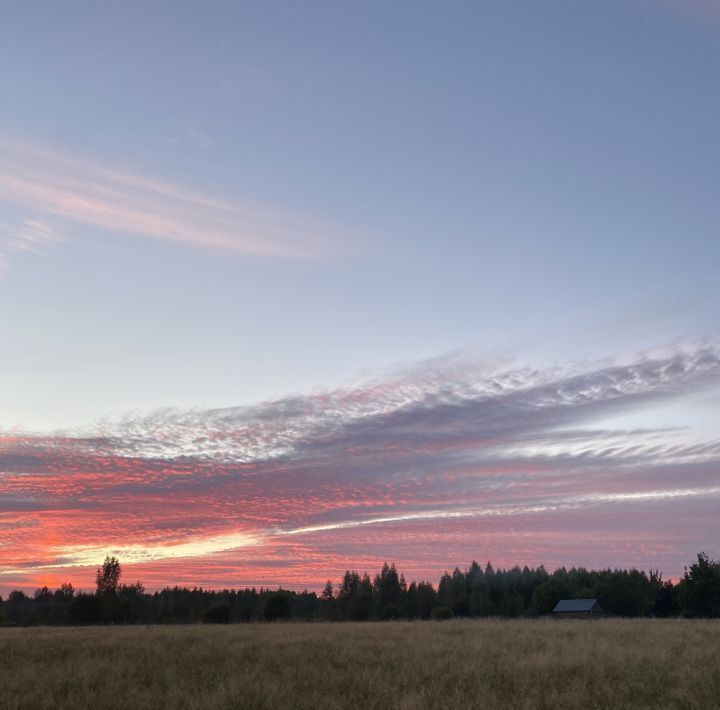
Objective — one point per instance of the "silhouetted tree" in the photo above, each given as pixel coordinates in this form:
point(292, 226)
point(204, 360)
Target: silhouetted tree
point(426, 599)
point(328, 606)
point(328, 593)
point(445, 591)
point(349, 585)
point(389, 588)
point(700, 588)
point(411, 610)
point(665, 601)
point(65, 593)
point(362, 604)
point(108, 576)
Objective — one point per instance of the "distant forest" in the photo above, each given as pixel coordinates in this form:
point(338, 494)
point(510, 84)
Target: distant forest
point(476, 592)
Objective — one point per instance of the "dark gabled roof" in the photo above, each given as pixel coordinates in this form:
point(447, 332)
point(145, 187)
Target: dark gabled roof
point(574, 605)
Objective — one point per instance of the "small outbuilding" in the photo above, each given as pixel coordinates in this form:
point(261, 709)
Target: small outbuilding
point(577, 607)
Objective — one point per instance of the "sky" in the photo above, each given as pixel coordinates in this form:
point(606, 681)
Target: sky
point(292, 288)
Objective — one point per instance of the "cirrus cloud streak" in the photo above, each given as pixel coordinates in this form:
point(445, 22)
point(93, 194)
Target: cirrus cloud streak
point(78, 191)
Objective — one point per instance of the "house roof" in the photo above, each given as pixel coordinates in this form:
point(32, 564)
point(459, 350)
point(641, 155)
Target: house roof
point(574, 605)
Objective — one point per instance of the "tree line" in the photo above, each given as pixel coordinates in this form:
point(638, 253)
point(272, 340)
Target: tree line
point(475, 592)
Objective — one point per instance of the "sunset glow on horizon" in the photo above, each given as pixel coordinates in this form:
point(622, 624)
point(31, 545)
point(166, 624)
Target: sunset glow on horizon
point(515, 466)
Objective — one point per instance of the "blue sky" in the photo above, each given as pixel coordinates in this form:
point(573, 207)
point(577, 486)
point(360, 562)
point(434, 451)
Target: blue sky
point(533, 179)
point(220, 204)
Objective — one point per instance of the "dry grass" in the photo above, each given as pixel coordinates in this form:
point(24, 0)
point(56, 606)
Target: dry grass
point(459, 664)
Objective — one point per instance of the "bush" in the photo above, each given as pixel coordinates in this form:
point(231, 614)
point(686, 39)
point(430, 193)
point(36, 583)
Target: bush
point(441, 613)
point(218, 613)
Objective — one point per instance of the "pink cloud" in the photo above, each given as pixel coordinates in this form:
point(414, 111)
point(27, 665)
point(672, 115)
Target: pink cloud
point(81, 191)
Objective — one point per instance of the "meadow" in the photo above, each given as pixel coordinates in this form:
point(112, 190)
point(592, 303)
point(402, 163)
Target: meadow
point(604, 663)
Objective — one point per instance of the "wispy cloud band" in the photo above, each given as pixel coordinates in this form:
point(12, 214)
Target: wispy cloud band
point(78, 190)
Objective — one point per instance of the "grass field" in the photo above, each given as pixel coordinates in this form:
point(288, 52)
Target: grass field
point(456, 664)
